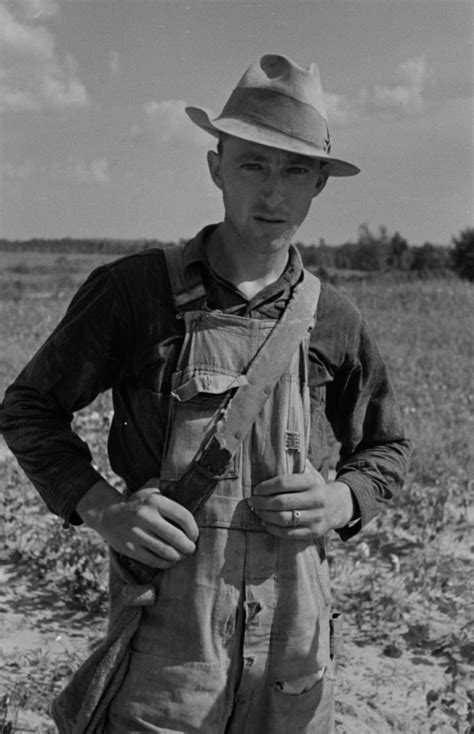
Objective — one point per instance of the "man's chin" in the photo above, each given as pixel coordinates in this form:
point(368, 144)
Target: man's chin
point(276, 241)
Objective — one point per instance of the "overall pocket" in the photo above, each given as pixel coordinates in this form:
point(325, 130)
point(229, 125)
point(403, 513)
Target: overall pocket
point(196, 401)
point(302, 713)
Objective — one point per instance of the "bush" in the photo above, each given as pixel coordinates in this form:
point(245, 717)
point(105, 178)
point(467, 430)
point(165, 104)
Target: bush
point(463, 254)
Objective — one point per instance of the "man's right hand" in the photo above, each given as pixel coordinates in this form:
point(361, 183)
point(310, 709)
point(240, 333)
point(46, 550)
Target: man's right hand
point(146, 526)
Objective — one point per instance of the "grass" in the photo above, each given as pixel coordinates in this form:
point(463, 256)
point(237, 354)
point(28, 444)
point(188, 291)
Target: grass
point(406, 581)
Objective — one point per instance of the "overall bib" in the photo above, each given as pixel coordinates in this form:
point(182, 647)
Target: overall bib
point(236, 626)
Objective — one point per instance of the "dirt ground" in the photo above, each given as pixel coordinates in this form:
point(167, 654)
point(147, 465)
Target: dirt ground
point(40, 641)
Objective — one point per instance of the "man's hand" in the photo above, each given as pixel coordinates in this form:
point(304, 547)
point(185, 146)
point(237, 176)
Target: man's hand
point(302, 506)
point(146, 526)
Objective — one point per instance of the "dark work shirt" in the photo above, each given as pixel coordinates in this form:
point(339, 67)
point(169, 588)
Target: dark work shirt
point(121, 332)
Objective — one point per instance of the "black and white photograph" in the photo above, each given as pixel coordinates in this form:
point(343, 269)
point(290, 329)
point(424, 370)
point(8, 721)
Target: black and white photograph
point(236, 367)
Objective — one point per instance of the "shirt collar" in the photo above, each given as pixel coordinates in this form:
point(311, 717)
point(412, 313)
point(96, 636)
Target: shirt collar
point(194, 252)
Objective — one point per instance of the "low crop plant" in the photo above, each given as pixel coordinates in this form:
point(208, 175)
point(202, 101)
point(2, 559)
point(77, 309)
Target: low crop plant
point(404, 584)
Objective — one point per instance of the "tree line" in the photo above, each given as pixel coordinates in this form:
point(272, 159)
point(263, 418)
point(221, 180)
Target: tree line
point(74, 245)
point(375, 252)
point(381, 252)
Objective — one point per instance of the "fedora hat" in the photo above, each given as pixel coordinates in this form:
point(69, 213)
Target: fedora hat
point(280, 104)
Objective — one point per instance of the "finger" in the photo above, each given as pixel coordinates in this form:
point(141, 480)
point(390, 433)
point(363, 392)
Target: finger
point(308, 500)
point(283, 519)
point(181, 516)
point(283, 483)
point(167, 532)
point(177, 514)
point(143, 543)
point(144, 555)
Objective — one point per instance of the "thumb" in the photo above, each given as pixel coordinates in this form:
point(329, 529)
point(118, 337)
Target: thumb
point(152, 483)
point(151, 486)
point(309, 469)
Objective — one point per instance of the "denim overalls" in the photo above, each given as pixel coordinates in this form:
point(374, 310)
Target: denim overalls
point(239, 625)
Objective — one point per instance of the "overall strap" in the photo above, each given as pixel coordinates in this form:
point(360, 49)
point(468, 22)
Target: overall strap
point(270, 362)
point(186, 283)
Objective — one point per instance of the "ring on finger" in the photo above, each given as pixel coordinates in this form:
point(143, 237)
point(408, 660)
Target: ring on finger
point(295, 518)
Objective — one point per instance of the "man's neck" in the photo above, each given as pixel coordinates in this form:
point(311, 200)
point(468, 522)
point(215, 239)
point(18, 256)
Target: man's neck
point(248, 270)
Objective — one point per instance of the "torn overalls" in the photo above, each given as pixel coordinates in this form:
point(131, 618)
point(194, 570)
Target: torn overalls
point(239, 625)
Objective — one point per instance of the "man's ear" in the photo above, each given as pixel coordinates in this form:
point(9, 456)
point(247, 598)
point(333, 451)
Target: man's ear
point(214, 163)
point(322, 180)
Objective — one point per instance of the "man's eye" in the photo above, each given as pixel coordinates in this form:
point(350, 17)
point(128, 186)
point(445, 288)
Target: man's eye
point(251, 166)
point(298, 170)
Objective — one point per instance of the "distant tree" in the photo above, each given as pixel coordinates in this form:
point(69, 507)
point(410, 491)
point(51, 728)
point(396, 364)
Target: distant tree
point(399, 255)
point(345, 257)
point(463, 254)
point(371, 251)
point(309, 255)
point(430, 258)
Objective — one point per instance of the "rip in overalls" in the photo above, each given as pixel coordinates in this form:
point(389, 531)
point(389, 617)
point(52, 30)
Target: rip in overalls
point(237, 641)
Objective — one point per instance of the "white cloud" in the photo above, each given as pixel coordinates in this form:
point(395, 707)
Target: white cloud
point(171, 125)
point(18, 171)
point(401, 100)
point(98, 170)
point(114, 63)
point(339, 109)
point(34, 10)
point(405, 98)
point(32, 76)
point(76, 169)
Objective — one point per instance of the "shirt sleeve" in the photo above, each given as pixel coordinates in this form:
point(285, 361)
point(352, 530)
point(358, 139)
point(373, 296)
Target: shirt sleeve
point(84, 356)
point(364, 415)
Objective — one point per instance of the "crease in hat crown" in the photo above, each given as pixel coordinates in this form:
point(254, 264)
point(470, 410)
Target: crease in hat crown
point(280, 104)
point(283, 75)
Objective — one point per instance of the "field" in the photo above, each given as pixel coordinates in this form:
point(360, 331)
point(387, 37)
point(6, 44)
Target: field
point(405, 584)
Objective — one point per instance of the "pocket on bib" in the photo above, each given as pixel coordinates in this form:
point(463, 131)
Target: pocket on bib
point(196, 401)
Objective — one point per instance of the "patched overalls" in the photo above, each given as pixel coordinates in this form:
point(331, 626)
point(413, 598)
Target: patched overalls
point(237, 641)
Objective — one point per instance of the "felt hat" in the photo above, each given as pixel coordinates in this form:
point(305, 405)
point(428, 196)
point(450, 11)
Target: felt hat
point(280, 104)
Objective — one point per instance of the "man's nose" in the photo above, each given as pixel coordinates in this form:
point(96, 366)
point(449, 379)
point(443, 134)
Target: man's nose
point(273, 189)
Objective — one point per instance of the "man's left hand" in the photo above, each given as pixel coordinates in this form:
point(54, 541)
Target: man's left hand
point(302, 506)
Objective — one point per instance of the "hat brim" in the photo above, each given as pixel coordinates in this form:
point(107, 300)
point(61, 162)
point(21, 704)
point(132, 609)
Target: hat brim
point(267, 136)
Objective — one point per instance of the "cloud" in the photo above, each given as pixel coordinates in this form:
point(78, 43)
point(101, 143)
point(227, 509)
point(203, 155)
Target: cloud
point(33, 10)
point(114, 63)
point(32, 76)
point(76, 169)
point(339, 109)
point(404, 98)
point(18, 171)
point(170, 124)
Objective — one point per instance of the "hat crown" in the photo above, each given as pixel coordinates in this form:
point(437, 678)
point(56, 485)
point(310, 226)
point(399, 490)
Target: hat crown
point(279, 104)
point(277, 72)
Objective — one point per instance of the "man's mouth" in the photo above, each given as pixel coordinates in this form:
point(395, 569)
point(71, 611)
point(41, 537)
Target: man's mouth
point(269, 220)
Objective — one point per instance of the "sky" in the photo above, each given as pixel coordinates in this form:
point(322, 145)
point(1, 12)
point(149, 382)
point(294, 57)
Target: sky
point(95, 141)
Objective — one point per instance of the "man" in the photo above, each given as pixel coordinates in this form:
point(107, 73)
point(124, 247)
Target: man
point(235, 635)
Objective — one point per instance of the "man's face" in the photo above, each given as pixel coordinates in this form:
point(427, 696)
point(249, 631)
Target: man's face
point(267, 192)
